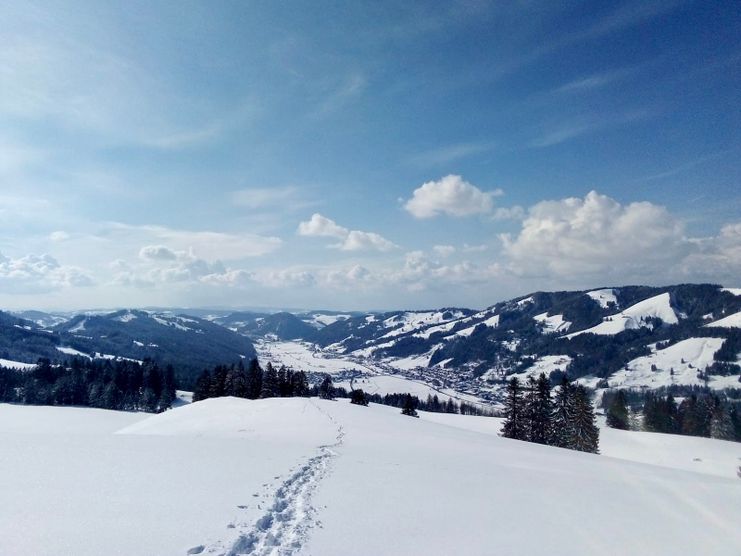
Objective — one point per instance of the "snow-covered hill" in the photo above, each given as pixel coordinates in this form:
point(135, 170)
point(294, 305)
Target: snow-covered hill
point(636, 316)
point(304, 476)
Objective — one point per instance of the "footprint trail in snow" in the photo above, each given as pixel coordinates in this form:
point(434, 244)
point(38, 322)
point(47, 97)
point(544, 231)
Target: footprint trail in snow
point(284, 527)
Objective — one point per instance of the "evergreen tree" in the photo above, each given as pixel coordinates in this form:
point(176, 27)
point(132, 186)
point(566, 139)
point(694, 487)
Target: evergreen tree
point(541, 427)
point(736, 421)
point(514, 412)
point(617, 413)
point(218, 382)
point(563, 415)
point(358, 397)
point(254, 380)
point(299, 384)
point(270, 386)
point(586, 433)
point(410, 406)
point(326, 389)
point(531, 406)
point(721, 425)
point(203, 387)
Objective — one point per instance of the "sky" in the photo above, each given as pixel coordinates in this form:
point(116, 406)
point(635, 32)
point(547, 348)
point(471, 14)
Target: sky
point(364, 155)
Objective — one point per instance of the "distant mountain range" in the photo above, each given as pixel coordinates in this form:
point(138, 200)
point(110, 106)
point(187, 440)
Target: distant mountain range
point(632, 335)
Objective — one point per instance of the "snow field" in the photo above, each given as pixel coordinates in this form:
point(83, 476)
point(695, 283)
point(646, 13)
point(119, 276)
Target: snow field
point(306, 476)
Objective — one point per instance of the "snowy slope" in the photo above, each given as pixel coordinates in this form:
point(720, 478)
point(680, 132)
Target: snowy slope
point(635, 317)
point(553, 323)
point(731, 321)
point(604, 297)
point(679, 363)
point(10, 364)
point(300, 476)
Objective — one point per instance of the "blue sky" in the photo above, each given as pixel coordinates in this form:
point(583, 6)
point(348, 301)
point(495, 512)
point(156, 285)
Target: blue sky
point(364, 155)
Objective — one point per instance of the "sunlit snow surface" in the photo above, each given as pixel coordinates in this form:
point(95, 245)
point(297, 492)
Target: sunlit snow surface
point(304, 476)
point(635, 316)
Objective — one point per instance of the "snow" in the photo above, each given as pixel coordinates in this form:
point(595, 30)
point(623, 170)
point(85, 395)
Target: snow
point(79, 327)
point(734, 291)
point(412, 320)
point(128, 316)
point(525, 301)
point(173, 323)
point(687, 358)
point(634, 317)
point(604, 297)
point(72, 351)
point(307, 476)
point(553, 323)
point(9, 364)
point(303, 356)
point(321, 320)
point(731, 321)
point(546, 364)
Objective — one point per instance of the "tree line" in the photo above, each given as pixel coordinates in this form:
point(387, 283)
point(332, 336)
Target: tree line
point(252, 382)
point(698, 414)
point(106, 384)
point(566, 420)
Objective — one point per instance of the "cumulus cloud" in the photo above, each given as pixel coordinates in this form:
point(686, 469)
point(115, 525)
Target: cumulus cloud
point(595, 235)
point(509, 213)
point(157, 253)
point(716, 258)
point(444, 250)
point(350, 240)
point(39, 273)
point(322, 226)
point(450, 195)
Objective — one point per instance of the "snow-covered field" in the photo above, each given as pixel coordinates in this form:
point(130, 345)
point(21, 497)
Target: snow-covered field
point(305, 476)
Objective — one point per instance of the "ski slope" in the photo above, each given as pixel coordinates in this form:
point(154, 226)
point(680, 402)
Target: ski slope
point(634, 316)
point(731, 321)
point(679, 364)
point(306, 476)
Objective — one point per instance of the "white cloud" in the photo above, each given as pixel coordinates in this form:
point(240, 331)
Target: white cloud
point(59, 236)
point(39, 273)
point(351, 240)
point(595, 235)
point(717, 258)
point(361, 241)
point(207, 244)
point(322, 226)
point(509, 213)
point(157, 253)
point(450, 195)
point(444, 250)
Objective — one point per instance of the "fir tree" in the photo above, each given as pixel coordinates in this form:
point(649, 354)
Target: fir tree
point(541, 427)
point(270, 386)
point(531, 406)
point(617, 413)
point(514, 412)
point(326, 389)
point(203, 387)
point(563, 415)
point(254, 380)
point(358, 397)
point(410, 406)
point(721, 425)
point(586, 433)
